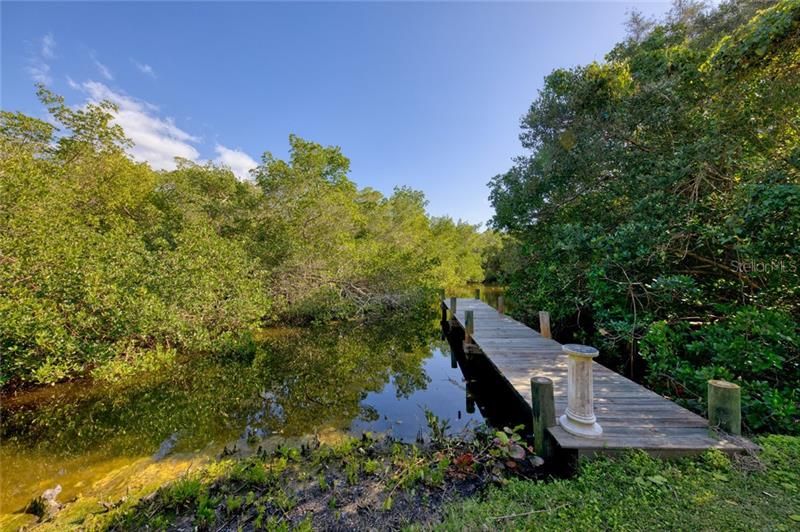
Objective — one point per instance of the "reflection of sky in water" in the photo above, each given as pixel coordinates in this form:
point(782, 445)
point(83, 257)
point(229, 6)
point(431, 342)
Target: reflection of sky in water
point(404, 417)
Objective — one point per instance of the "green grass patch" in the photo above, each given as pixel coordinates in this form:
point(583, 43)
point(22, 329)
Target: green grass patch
point(636, 492)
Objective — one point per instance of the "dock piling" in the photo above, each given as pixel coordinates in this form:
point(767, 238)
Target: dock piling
point(453, 302)
point(544, 324)
point(501, 304)
point(725, 406)
point(544, 414)
point(478, 294)
point(469, 326)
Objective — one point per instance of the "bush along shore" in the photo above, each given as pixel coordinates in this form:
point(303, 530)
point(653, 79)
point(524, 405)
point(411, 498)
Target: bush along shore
point(485, 479)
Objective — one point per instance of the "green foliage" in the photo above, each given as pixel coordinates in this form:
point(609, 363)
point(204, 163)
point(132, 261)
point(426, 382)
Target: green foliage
point(500, 258)
point(508, 444)
point(106, 262)
point(336, 251)
point(658, 209)
point(182, 492)
point(752, 347)
point(751, 42)
point(437, 426)
point(205, 514)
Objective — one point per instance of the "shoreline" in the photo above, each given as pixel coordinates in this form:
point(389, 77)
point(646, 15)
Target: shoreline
point(451, 483)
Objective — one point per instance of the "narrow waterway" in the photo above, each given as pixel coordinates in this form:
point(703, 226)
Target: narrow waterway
point(100, 440)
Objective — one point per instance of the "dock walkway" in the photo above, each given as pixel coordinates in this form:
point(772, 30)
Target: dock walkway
point(632, 416)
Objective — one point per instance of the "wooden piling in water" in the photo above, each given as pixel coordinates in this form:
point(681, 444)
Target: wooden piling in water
point(544, 414)
point(725, 406)
point(501, 304)
point(453, 302)
point(544, 324)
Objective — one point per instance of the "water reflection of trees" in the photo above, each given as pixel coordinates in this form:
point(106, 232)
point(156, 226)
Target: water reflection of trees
point(294, 382)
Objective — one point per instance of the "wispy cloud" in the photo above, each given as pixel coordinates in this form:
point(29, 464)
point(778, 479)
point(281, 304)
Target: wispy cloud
point(145, 69)
point(49, 46)
point(73, 84)
point(39, 71)
point(104, 70)
point(238, 161)
point(156, 140)
point(38, 67)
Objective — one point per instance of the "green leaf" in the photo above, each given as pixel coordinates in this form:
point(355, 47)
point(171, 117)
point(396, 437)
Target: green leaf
point(387, 504)
point(658, 479)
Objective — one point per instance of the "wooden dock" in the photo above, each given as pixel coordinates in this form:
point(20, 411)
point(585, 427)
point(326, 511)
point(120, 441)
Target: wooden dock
point(632, 416)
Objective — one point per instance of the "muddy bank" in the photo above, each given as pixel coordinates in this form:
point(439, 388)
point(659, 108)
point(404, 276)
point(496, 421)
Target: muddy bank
point(364, 484)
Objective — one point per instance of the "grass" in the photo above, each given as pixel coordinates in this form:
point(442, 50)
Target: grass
point(639, 493)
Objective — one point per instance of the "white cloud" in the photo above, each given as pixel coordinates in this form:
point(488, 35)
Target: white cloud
point(38, 68)
point(144, 68)
point(238, 161)
point(39, 71)
point(104, 70)
point(156, 140)
point(48, 46)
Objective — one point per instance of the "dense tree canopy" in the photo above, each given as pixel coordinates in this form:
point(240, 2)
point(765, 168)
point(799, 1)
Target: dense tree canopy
point(657, 207)
point(104, 259)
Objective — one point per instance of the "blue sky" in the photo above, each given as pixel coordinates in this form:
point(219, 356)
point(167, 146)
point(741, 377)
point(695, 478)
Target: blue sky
point(427, 95)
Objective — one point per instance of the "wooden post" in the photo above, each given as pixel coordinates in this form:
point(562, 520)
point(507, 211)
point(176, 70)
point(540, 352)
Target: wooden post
point(453, 360)
point(469, 326)
point(441, 294)
point(579, 417)
point(725, 406)
point(501, 304)
point(478, 294)
point(453, 301)
point(444, 311)
point(544, 324)
point(544, 414)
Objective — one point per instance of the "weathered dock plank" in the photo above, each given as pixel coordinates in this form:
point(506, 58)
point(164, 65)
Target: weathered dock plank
point(632, 416)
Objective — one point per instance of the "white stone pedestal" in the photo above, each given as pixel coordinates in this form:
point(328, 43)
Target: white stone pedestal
point(579, 417)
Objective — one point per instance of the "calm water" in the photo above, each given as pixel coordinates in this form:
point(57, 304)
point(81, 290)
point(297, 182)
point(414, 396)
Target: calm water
point(99, 441)
point(489, 294)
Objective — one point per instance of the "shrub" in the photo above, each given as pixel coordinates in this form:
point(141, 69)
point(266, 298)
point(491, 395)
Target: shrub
point(759, 349)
